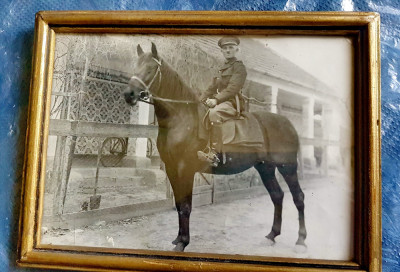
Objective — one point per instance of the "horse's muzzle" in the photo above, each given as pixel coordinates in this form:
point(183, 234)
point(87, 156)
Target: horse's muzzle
point(130, 97)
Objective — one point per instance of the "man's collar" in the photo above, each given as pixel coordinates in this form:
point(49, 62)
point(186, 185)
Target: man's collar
point(230, 60)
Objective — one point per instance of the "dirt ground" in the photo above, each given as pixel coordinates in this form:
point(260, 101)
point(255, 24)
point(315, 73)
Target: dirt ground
point(237, 227)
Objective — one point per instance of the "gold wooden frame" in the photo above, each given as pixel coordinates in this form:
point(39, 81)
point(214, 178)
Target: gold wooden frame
point(362, 27)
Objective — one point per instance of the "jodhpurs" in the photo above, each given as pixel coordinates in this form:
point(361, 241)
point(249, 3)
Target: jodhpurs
point(222, 112)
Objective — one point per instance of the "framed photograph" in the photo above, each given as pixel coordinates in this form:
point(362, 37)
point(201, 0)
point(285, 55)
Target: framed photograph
point(203, 141)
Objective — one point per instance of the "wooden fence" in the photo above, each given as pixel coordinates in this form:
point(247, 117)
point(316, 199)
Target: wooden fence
point(205, 193)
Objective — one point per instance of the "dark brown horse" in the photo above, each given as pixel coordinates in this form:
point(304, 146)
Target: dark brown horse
point(176, 107)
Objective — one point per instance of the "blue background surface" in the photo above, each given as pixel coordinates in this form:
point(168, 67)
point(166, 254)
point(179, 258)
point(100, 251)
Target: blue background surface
point(16, 41)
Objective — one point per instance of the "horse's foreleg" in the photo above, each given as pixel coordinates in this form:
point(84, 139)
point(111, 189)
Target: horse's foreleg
point(184, 208)
point(289, 172)
point(267, 173)
point(182, 186)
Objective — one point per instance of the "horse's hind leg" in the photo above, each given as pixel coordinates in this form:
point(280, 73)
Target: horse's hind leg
point(267, 173)
point(289, 173)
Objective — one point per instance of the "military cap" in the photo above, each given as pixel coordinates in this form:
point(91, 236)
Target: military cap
point(228, 40)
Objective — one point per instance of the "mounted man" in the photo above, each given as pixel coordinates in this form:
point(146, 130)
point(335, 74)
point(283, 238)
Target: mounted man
point(223, 97)
point(274, 147)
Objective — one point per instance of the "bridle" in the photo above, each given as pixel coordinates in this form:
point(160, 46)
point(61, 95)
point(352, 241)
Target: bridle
point(145, 95)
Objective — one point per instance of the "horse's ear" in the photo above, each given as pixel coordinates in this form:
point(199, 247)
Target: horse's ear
point(139, 50)
point(154, 50)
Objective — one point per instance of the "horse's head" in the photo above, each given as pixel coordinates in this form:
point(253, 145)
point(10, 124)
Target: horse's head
point(146, 73)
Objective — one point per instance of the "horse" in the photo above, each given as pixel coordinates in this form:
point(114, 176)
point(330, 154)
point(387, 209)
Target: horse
point(176, 108)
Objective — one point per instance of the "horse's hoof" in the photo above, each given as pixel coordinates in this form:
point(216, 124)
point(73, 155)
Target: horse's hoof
point(179, 247)
point(300, 249)
point(176, 241)
point(270, 242)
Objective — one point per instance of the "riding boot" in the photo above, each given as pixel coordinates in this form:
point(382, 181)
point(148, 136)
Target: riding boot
point(214, 146)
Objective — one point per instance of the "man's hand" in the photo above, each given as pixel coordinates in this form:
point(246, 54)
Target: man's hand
point(211, 103)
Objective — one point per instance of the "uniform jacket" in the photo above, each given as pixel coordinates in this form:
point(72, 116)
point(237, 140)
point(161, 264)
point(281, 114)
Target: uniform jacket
point(227, 83)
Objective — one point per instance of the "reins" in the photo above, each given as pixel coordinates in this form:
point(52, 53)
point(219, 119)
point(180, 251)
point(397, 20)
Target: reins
point(173, 100)
point(146, 95)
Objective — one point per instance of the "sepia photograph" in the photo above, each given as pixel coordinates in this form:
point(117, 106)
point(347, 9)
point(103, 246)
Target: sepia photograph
point(222, 144)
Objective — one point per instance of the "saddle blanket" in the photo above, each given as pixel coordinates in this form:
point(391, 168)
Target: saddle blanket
point(243, 132)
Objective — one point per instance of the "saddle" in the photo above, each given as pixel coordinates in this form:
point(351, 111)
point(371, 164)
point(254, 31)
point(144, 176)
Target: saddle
point(239, 134)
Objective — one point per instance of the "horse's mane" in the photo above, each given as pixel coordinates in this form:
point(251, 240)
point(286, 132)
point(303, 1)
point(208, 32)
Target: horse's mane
point(173, 86)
